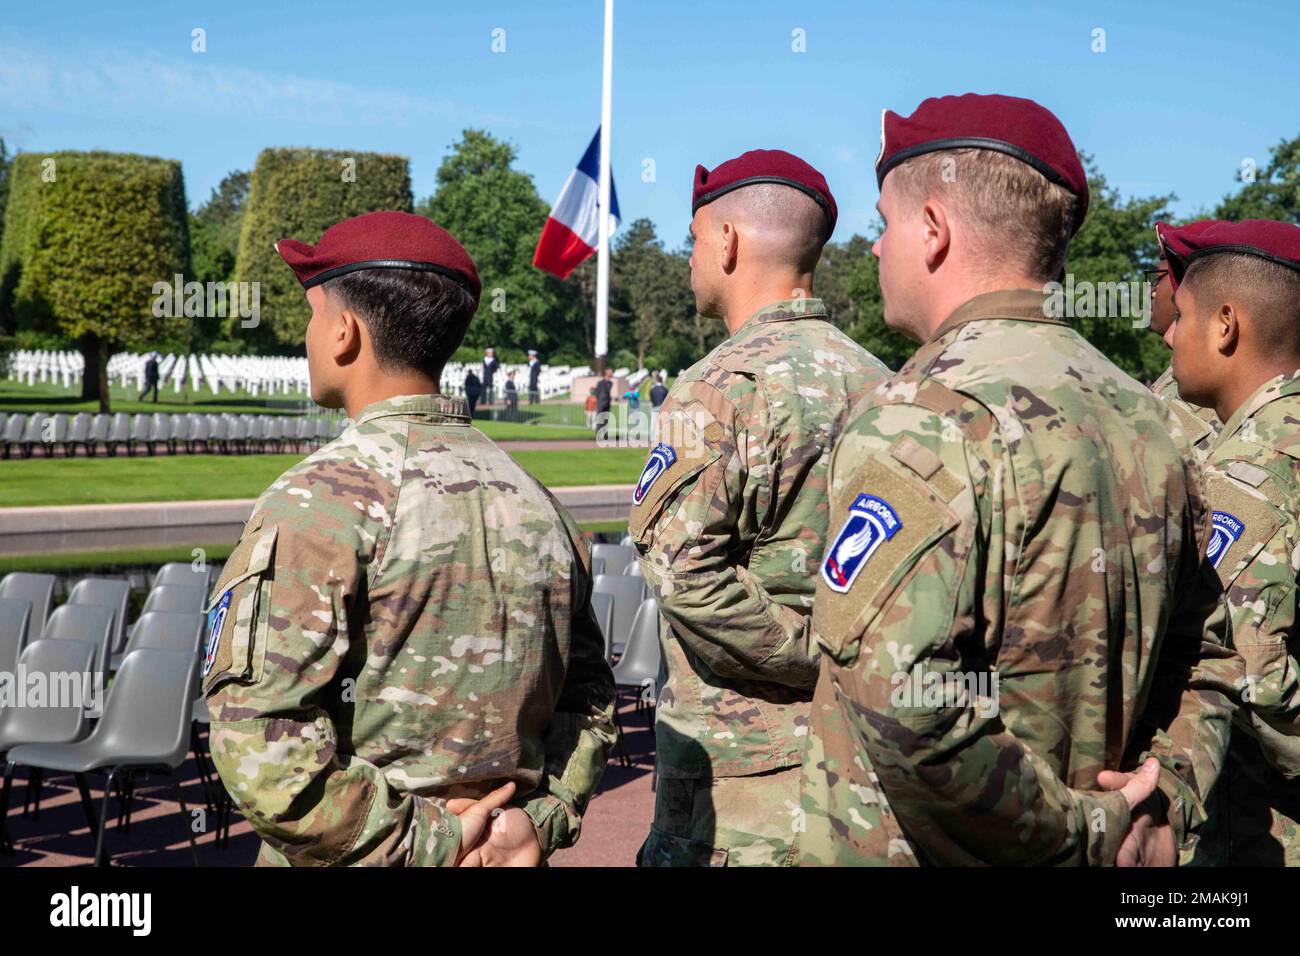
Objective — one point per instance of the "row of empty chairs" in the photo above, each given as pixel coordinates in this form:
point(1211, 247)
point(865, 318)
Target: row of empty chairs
point(194, 431)
point(147, 722)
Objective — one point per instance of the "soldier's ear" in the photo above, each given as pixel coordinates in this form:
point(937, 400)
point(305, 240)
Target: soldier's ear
point(936, 233)
point(1227, 328)
point(729, 248)
point(347, 337)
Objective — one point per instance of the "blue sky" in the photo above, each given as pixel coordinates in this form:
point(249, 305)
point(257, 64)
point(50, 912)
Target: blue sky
point(1182, 94)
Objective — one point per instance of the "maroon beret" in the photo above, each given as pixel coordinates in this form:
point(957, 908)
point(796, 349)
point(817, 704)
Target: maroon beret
point(380, 240)
point(1266, 238)
point(764, 166)
point(1005, 124)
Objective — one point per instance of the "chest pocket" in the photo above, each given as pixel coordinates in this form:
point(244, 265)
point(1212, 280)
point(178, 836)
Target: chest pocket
point(238, 613)
point(887, 536)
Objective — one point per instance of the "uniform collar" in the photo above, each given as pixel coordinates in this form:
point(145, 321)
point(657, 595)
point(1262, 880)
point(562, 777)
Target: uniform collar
point(442, 409)
point(1026, 305)
point(1279, 386)
point(784, 310)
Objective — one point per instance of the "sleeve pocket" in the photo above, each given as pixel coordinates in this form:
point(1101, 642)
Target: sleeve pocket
point(874, 547)
point(238, 613)
point(660, 484)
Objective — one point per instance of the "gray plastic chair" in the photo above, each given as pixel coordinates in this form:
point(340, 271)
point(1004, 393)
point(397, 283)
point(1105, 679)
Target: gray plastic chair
point(638, 668)
point(36, 589)
point(24, 725)
point(615, 556)
point(641, 660)
point(160, 431)
point(114, 593)
point(166, 631)
point(14, 615)
point(141, 432)
point(634, 570)
point(603, 606)
point(182, 572)
point(13, 432)
point(89, 623)
point(78, 434)
point(180, 598)
point(628, 593)
point(200, 431)
point(100, 428)
point(146, 725)
point(180, 432)
point(118, 434)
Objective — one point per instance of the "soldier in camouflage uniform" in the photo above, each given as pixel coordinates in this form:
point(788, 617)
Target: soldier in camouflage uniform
point(1237, 349)
point(1009, 602)
point(1201, 424)
point(403, 638)
point(730, 517)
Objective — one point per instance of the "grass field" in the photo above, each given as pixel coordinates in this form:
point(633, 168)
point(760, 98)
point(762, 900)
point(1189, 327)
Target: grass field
point(77, 481)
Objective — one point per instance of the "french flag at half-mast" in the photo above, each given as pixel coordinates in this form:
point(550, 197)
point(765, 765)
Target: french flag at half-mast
point(572, 231)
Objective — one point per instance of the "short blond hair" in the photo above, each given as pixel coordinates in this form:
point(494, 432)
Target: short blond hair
point(1018, 217)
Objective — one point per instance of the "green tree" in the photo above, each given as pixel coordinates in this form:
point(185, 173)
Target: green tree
point(6, 161)
point(1118, 241)
point(497, 214)
point(650, 295)
point(214, 243)
point(848, 280)
point(301, 193)
point(1271, 193)
point(87, 237)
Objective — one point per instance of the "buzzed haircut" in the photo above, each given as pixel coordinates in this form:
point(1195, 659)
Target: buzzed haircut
point(1018, 218)
point(791, 227)
point(1268, 291)
point(416, 319)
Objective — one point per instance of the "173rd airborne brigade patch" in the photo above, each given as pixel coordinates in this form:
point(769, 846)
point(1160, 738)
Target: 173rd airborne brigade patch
point(871, 522)
point(661, 459)
point(1227, 529)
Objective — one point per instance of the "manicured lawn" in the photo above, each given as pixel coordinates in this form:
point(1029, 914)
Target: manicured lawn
point(75, 481)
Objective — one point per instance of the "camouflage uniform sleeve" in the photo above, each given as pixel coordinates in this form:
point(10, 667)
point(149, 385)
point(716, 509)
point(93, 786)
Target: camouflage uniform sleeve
point(1256, 564)
point(899, 609)
point(282, 617)
point(581, 732)
point(1188, 715)
point(698, 505)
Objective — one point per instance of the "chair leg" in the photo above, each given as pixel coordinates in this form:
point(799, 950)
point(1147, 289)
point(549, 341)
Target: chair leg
point(185, 819)
point(6, 842)
point(35, 777)
point(200, 761)
point(101, 854)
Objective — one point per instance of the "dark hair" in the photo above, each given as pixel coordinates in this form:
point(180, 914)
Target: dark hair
point(416, 319)
point(1270, 291)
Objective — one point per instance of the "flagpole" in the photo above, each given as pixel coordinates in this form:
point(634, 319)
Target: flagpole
point(602, 250)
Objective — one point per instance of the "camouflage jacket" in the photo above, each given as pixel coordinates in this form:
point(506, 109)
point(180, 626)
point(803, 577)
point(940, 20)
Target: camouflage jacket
point(1201, 424)
point(1012, 600)
point(729, 518)
point(1253, 487)
point(405, 619)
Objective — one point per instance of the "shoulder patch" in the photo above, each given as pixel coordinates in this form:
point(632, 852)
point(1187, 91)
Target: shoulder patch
point(871, 521)
point(216, 618)
point(1227, 528)
point(661, 458)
